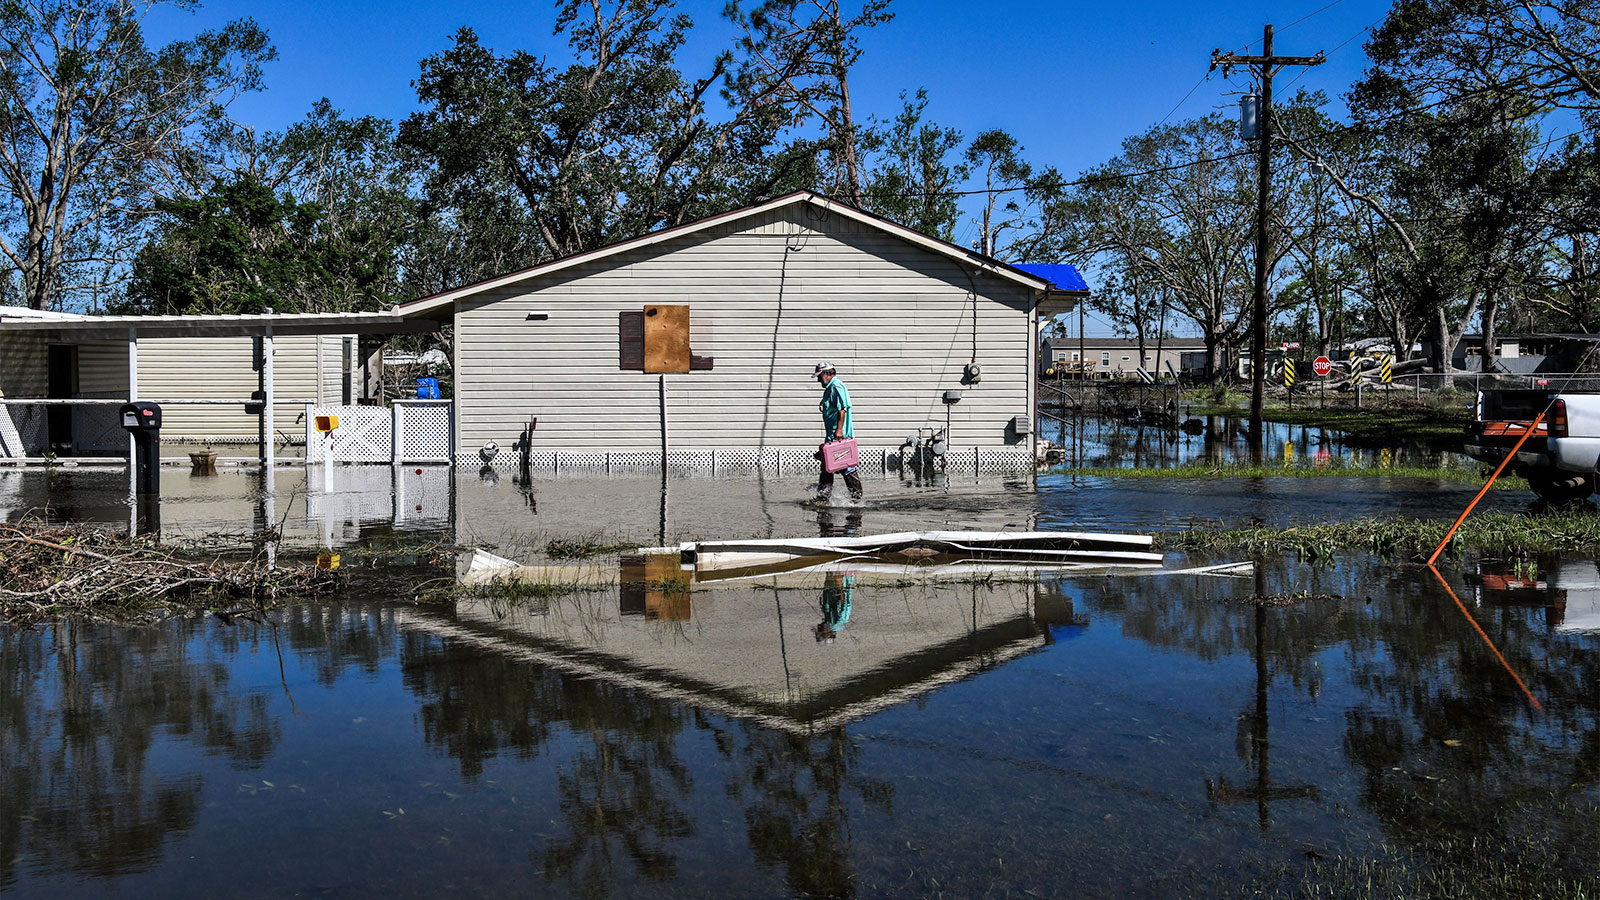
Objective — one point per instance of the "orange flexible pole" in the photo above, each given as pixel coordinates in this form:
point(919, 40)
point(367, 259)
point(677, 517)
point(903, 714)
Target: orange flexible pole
point(1488, 484)
point(1476, 627)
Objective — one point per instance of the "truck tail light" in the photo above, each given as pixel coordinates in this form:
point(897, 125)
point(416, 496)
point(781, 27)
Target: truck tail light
point(1556, 427)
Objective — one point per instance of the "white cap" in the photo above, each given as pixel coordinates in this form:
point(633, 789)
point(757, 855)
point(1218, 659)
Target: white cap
point(823, 366)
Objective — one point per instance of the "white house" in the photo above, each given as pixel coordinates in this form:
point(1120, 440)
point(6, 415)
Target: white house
point(696, 344)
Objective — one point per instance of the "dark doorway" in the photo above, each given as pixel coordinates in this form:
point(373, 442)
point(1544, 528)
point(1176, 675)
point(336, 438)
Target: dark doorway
point(62, 384)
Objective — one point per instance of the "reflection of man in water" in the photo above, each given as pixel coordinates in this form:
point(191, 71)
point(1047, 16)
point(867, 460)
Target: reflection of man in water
point(837, 592)
point(830, 526)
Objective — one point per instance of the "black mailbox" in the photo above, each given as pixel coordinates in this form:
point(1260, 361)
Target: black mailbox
point(141, 416)
point(143, 421)
point(256, 403)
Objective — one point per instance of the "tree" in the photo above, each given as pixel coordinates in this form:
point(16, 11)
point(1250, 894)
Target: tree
point(92, 122)
point(1177, 207)
point(915, 182)
point(796, 56)
point(527, 161)
point(1539, 55)
point(995, 158)
point(242, 249)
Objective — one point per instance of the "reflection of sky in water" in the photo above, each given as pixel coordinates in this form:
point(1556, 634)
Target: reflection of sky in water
point(1107, 443)
point(1140, 733)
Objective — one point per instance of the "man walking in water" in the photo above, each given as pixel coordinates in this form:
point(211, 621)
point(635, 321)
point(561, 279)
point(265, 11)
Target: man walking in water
point(836, 425)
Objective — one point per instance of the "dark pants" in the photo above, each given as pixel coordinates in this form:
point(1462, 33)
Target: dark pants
point(852, 481)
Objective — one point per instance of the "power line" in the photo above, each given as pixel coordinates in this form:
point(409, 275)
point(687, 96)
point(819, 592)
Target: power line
point(1309, 15)
point(1185, 99)
point(1115, 176)
point(1342, 45)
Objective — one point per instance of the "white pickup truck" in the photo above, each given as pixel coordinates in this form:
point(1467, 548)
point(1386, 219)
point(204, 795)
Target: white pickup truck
point(1560, 460)
point(1572, 435)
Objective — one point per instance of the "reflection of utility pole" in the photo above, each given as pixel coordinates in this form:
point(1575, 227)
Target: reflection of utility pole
point(1268, 66)
point(1263, 792)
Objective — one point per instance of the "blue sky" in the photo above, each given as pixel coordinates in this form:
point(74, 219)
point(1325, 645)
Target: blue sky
point(1070, 80)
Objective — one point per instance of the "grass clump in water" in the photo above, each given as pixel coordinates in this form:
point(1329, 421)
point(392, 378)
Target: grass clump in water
point(586, 546)
point(1442, 869)
point(1570, 530)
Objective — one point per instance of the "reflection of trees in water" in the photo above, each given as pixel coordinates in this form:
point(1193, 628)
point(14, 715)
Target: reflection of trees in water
point(331, 638)
point(797, 811)
point(82, 707)
point(475, 705)
point(623, 791)
point(1447, 748)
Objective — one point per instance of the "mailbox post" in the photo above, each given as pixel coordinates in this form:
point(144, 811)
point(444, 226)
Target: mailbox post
point(326, 425)
point(143, 421)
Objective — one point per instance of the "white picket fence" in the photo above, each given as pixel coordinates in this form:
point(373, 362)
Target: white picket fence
point(408, 431)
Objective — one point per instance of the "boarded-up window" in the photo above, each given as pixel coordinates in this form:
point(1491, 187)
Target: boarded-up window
point(666, 339)
point(657, 340)
point(630, 341)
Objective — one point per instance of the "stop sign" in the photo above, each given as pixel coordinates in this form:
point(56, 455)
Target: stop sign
point(1322, 366)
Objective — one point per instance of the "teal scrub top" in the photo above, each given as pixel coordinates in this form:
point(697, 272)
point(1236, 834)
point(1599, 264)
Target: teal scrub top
point(836, 397)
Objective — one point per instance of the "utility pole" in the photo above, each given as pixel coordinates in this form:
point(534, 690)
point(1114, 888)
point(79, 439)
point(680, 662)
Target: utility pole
point(1267, 65)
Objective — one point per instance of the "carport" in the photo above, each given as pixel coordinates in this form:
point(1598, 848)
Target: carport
point(26, 337)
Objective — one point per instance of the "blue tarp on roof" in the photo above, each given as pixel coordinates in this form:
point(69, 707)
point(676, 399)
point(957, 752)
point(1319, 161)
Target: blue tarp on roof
point(1064, 277)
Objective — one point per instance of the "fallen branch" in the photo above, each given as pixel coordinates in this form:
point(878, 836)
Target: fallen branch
point(55, 570)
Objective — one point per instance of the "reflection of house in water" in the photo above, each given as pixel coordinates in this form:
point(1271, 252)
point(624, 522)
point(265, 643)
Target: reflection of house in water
point(751, 652)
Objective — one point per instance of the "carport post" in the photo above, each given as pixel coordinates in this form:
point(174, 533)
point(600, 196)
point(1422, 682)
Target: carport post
point(133, 394)
point(268, 426)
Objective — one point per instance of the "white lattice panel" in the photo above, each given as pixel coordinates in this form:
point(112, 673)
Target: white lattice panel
point(1003, 460)
point(426, 434)
point(364, 434)
point(737, 461)
point(787, 462)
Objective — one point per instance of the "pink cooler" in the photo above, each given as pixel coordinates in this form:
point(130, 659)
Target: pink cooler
point(840, 455)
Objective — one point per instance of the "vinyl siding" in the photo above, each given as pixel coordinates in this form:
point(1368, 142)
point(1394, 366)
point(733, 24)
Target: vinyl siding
point(220, 368)
point(24, 373)
point(770, 295)
point(203, 368)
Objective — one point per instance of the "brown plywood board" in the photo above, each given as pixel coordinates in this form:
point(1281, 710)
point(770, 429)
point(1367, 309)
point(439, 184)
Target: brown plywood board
point(666, 339)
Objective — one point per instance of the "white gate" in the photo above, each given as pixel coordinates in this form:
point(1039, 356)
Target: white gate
point(409, 431)
point(423, 431)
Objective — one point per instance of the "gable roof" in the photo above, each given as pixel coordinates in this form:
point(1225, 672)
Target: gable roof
point(446, 299)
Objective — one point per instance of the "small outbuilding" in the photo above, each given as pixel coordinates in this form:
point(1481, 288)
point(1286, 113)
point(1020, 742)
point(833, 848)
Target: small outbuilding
point(695, 345)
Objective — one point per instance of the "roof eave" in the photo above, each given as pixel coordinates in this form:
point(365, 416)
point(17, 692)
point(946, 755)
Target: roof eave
point(441, 305)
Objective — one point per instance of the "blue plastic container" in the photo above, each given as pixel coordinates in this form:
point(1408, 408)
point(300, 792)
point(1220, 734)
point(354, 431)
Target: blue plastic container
point(427, 389)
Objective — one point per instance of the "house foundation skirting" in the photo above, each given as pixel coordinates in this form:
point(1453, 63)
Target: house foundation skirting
point(770, 461)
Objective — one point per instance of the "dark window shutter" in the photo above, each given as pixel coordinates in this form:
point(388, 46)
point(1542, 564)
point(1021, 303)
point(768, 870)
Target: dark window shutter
point(630, 341)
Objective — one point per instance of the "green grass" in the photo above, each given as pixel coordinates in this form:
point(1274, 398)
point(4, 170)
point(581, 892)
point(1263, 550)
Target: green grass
point(1529, 863)
point(1336, 468)
point(1572, 530)
point(586, 546)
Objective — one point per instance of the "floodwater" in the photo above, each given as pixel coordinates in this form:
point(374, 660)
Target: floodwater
point(1149, 735)
point(1099, 442)
point(1135, 736)
point(503, 512)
